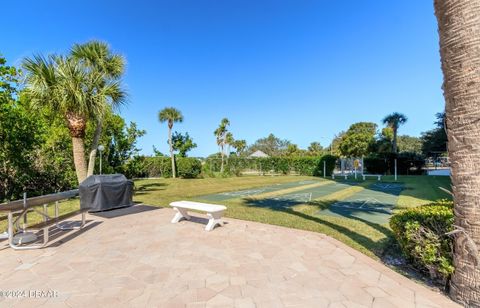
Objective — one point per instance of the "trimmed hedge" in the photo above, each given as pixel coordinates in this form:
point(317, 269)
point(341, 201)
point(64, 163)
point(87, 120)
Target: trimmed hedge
point(187, 167)
point(280, 165)
point(420, 231)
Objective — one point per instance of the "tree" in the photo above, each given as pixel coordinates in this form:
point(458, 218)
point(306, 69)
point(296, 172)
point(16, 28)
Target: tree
point(170, 115)
point(458, 28)
point(315, 148)
point(221, 134)
point(182, 143)
point(434, 141)
point(72, 88)
point(394, 121)
point(270, 145)
point(120, 142)
point(229, 141)
point(97, 57)
point(20, 136)
point(293, 150)
point(335, 144)
point(240, 146)
point(409, 144)
point(359, 140)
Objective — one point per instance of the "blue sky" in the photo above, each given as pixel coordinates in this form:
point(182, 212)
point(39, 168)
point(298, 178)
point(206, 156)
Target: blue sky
point(303, 70)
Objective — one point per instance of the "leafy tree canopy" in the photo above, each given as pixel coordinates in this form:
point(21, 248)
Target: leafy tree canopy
point(359, 140)
point(270, 145)
point(182, 143)
point(434, 141)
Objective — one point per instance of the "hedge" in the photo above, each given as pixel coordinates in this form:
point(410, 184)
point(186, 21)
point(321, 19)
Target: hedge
point(280, 165)
point(187, 167)
point(420, 232)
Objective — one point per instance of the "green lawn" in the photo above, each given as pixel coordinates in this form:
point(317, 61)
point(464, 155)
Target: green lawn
point(369, 238)
point(372, 239)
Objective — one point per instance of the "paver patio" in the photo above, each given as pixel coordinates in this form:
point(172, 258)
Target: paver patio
point(137, 258)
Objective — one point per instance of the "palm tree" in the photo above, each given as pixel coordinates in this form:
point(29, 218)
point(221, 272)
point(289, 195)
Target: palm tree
point(229, 141)
point(98, 58)
point(67, 87)
point(170, 115)
point(221, 133)
point(240, 146)
point(458, 28)
point(394, 121)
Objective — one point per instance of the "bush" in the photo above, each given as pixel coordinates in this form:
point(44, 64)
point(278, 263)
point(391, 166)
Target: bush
point(420, 231)
point(188, 168)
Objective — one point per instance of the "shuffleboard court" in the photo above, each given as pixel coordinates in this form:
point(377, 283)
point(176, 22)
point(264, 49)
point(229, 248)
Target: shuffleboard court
point(300, 197)
point(254, 191)
point(373, 204)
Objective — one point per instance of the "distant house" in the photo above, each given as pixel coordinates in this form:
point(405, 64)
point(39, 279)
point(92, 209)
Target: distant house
point(258, 154)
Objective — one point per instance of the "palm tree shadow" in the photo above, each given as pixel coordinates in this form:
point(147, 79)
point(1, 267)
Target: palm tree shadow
point(149, 187)
point(379, 248)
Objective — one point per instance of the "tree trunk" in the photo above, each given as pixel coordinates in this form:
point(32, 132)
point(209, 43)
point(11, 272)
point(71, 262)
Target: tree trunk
point(394, 145)
point(459, 31)
point(221, 154)
point(79, 158)
point(77, 125)
point(171, 151)
point(93, 149)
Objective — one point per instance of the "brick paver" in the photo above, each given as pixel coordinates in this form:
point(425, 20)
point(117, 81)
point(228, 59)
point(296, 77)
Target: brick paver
point(140, 259)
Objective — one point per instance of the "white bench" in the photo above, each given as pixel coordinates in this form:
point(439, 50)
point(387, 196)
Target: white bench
point(214, 212)
point(378, 176)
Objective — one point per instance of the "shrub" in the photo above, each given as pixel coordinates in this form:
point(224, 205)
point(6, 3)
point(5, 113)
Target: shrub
point(420, 231)
point(188, 167)
point(158, 166)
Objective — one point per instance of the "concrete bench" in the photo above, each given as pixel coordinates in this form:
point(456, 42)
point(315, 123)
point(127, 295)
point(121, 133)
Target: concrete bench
point(214, 212)
point(378, 176)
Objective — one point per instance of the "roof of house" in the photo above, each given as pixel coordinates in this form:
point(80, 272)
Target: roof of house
point(258, 154)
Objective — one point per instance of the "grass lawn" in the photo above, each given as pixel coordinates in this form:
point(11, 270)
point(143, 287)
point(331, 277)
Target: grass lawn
point(369, 238)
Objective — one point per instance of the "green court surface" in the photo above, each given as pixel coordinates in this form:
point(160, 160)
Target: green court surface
point(373, 204)
point(254, 191)
point(302, 196)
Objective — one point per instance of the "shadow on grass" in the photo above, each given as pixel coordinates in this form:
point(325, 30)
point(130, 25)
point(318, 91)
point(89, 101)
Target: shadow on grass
point(149, 187)
point(379, 248)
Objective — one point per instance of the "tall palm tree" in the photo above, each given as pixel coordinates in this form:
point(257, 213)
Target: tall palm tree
point(98, 57)
point(229, 141)
point(459, 28)
point(170, 115)
point(394, 121)
point(67, 87)
point(221, 133)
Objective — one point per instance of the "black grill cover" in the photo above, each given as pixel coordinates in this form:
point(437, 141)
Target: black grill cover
point(105, 192)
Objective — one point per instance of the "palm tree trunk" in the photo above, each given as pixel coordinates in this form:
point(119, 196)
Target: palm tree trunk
point(394, 141)
point(221, 154)
point(77, 125)
point(93, 149)
point(171, 151)
point(79, 158)
point(459, 31)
